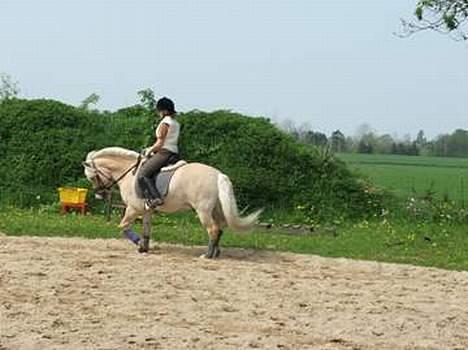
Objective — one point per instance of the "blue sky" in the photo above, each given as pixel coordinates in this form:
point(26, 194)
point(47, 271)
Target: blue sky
point(331, 64)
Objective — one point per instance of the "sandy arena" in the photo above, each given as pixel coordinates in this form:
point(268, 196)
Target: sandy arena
point(100, 294)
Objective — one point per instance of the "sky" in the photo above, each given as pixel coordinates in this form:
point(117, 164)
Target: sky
point(327, 63)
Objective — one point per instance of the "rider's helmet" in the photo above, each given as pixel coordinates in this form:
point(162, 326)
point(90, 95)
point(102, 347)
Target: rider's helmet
point(165, 104)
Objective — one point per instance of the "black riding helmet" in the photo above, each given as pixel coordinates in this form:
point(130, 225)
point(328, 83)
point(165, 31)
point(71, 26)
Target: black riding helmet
point(165, 104)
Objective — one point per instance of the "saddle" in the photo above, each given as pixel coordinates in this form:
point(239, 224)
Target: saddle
point(163, 178)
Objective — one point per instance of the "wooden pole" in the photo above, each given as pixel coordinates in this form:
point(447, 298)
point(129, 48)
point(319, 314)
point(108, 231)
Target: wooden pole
point(109, 206)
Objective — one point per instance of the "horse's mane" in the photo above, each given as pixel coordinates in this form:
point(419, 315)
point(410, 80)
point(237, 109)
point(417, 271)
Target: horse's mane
point(112, 151)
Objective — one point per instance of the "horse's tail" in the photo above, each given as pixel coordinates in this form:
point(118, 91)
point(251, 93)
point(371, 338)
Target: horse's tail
point(229, 206)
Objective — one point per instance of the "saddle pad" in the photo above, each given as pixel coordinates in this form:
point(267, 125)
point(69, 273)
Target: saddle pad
point(162, 182)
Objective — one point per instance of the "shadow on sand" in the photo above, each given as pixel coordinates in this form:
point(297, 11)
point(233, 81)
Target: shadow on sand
point(237, 254)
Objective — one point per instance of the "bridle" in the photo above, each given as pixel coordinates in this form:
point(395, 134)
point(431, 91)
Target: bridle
point(103, 187)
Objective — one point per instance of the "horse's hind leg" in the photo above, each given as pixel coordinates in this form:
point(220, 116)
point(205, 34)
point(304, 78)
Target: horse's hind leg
point(213, 246)
point(214, 233)
point(216, 249)
point(219, 220)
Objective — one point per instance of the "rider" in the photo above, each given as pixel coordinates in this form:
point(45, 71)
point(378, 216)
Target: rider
point(165, 149)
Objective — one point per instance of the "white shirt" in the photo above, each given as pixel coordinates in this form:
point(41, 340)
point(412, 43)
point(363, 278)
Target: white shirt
point(172, 137)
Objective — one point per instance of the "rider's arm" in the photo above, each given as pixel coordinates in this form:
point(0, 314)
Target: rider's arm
point(163, 130)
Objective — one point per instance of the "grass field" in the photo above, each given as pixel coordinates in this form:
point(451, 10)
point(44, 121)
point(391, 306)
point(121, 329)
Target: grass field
point(410, 175)
point(443, 246)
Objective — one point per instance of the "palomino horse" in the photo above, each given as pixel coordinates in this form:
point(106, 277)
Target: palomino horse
point(193, 186)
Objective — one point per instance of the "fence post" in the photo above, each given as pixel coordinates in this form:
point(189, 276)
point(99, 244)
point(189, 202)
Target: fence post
point(109, 206)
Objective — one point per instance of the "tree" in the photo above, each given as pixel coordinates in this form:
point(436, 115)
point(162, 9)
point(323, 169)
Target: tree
point(92, 99)
point(363, 130)
point(425, 147)
point(443, 16)
point(458, 143)
point(384, 144)
point(366, 139)
point(8, 87)
point(350, 144)
point(365, 147)
point(316, 138)
point(338, 141)
point(427, 150)
point(413, 149)
point(421, 139)
point(148, 99)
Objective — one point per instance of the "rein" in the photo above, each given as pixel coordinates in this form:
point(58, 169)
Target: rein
point(112, 182)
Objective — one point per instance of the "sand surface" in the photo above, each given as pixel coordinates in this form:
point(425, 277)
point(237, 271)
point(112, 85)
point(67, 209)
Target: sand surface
point(100, 294)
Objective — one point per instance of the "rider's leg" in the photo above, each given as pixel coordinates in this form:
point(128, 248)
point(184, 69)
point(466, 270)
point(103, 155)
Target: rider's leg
point(148, 187)
point(147, 174)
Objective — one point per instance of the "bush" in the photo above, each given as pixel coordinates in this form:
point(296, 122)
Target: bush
point(270, 168)
point(45, 141)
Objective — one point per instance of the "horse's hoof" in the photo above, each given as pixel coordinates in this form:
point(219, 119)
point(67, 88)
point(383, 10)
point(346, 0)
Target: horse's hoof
point(209, 256)
point(142, 250)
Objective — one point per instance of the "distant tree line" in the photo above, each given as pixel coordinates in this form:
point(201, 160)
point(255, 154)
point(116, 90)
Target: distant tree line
point(369, 141)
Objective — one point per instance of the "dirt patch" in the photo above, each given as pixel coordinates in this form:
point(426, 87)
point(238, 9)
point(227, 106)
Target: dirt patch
point(99, 294)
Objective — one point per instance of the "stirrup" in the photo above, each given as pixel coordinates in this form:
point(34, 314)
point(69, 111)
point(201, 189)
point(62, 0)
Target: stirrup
point(153, 203)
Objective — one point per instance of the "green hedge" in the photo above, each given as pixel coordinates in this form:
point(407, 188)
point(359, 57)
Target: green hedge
point(268, 166)
point(43, 142)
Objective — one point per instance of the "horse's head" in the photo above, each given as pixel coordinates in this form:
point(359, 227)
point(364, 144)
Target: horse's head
point(99, 167)
point(99, 177)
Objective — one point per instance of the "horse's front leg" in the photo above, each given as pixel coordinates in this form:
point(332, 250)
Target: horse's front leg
point(144, 243)
point(126, 225)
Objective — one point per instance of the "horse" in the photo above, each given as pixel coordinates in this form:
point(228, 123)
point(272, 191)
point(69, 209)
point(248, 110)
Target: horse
point(196, 186)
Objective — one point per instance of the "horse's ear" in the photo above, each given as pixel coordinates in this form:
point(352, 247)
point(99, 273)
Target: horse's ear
point(86, 165)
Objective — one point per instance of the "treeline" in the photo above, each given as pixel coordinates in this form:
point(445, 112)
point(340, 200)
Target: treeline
point(368, 141)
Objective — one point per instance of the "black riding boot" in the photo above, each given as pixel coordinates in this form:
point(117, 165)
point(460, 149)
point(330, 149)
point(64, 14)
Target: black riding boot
point(150, 191)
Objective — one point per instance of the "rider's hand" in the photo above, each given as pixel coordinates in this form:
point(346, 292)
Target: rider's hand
point(147, 151)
